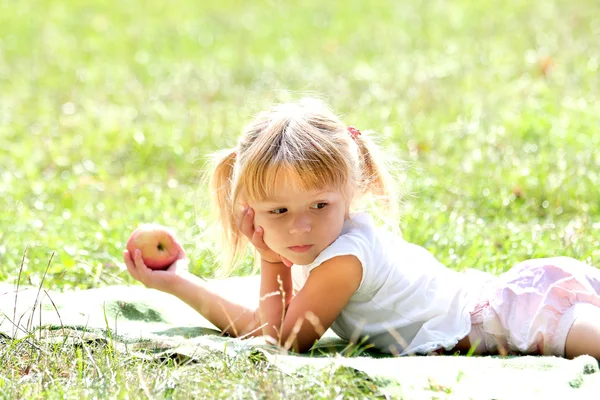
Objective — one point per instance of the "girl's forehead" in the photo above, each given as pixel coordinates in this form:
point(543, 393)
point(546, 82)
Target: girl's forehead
point(289, 187)
point(300, 196)
point(284, 182)
point(277, 183)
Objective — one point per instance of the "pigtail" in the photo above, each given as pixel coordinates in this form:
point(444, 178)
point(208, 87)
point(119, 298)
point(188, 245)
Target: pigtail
point(376, 179)
point(222, 205)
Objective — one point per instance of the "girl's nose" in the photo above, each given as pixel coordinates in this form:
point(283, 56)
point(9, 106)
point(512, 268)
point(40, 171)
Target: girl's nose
point(300, 224)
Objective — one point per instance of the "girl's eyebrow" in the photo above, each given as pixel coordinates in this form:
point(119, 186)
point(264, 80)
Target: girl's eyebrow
point(276, 199)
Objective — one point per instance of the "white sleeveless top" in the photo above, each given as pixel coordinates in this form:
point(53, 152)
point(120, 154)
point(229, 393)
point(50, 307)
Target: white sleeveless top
point(407, 301)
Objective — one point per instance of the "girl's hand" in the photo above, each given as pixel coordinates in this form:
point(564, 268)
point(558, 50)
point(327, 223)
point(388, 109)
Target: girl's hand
point(165, 280)
point(246, 226)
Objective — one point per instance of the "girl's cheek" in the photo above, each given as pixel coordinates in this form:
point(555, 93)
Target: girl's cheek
point(267, 229)
point(267, 236)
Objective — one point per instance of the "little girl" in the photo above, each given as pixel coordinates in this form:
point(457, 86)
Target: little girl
point(289, 187)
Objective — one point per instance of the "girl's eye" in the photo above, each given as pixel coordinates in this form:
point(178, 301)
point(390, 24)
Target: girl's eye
point(319, 206)
point(279, 211)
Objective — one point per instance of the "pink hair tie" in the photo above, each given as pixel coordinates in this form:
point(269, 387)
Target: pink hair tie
point(353, 132)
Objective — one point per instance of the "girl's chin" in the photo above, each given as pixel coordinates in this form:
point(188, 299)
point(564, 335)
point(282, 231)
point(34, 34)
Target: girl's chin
point(301, 260)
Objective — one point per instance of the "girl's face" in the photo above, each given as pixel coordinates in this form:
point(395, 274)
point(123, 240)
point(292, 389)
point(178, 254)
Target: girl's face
point(298, 224)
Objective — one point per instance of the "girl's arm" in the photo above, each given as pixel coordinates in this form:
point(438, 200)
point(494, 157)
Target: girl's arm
point(312, 311)
point(309, 314)
point(210, 299)
point(275, 296)
point(207, 297)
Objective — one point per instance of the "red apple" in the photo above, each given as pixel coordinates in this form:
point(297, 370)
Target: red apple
point(158, 246)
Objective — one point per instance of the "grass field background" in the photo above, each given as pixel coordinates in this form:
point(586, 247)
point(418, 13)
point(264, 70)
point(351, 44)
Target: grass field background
point(107, 110)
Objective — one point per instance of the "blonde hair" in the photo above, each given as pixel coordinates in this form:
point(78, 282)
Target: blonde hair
point(306, 139)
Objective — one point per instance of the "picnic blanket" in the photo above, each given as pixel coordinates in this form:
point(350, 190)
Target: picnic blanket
point(156, 325)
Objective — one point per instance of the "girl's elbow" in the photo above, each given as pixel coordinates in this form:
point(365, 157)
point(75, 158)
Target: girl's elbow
point(298, 344)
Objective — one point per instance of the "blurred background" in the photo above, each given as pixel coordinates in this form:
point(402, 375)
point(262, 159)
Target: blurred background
point(108, 109)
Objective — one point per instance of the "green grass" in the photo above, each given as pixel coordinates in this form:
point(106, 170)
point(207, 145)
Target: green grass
point(86, 370)
point(108, 108)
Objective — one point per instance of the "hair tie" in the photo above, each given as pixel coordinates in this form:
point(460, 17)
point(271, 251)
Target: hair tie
point(353, 132)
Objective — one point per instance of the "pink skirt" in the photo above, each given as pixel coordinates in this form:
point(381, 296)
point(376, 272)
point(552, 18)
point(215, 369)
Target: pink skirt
point(530, 308)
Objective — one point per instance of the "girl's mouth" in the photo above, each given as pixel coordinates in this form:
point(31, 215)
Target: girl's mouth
point(301, 249)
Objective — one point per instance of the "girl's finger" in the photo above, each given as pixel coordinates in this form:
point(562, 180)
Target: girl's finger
point(257, 238)
point(130, 266)
point(144, 273)
point(247, 227)
point(139, 262)
point(286, 262)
